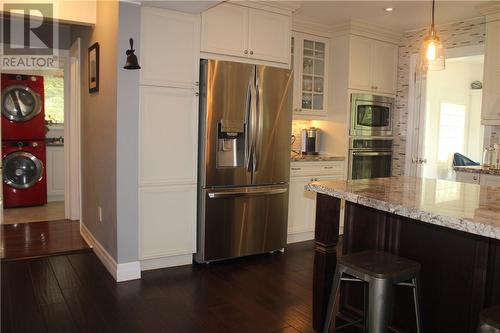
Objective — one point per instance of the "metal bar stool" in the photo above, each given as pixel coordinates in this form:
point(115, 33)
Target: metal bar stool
point(490, 320)
point(381, 271)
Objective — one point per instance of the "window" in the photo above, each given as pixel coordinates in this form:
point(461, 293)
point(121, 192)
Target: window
point(451, 130)
point(54, 99)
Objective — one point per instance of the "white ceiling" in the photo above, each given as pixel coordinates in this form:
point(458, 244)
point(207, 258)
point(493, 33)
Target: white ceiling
point(407, 15)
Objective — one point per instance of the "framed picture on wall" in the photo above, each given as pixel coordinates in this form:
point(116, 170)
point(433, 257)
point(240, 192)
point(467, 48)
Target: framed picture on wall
point(94, 68)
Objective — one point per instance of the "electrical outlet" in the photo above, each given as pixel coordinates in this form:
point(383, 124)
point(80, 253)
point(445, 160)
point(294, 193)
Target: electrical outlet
point(99, 212)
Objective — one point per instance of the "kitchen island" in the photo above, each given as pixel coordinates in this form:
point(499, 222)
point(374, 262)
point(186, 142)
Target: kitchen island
point(451, 228)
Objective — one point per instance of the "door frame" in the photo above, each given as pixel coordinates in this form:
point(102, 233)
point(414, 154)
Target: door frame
point(72, 133)
point(416, 107)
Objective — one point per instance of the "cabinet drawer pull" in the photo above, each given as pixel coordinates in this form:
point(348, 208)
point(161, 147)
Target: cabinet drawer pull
point(251, 52)
point(246, 51)
point(328, 167)
point(295, 169)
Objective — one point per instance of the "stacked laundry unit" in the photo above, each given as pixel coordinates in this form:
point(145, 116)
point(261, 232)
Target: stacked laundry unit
point(23, 140)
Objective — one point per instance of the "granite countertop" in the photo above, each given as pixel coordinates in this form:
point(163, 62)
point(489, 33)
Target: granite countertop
point(315, 158)
point(477, 169)
point(466, 207)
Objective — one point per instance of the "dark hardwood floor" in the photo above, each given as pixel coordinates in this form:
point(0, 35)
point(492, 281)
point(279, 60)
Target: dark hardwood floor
point(40, 239)
point(75, 293)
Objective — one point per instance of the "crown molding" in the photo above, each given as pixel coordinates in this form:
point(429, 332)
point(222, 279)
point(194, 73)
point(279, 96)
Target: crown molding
point(356, 27)
point(491, 12)
point(305, 26)
point(280, 7)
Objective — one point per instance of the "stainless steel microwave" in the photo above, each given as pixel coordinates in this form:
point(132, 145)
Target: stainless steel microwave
point(371, 115)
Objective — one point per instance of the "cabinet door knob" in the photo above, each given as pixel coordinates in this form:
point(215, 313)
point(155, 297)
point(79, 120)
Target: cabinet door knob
point(251, 52)
point(246, 51)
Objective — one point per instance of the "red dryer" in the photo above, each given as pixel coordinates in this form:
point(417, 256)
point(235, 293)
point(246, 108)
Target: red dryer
point(24, 175)
point(23, 112)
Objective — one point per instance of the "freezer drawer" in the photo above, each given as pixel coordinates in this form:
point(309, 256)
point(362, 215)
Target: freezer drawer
point(243, 221)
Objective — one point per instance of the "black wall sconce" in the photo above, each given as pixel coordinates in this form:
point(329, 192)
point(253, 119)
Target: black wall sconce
point(132, 62)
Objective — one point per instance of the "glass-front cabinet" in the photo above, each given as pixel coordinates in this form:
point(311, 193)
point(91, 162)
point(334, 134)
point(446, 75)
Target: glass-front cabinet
point(309, 62)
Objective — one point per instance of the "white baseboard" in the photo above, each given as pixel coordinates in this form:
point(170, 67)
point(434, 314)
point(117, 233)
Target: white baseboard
point(181, 260)
point(300, 237)
point(55, 198)
point(120, 272)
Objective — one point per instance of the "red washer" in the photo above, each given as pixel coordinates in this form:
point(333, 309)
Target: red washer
point(23, 111)
point(24, 175)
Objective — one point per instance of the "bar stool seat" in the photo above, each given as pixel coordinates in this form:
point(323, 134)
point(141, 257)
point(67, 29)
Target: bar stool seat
point(381, 271)
point(490, 320)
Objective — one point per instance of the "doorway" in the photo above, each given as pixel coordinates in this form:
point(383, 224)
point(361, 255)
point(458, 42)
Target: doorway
point(446, 114)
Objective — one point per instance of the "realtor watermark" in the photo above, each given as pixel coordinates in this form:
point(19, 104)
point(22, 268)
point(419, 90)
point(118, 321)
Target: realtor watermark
point(29, 37)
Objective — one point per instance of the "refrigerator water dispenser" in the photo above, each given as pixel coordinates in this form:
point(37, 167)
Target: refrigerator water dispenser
point(230, 144)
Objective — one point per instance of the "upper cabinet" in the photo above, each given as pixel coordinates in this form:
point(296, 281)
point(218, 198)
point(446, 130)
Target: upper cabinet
point(310, 56)
point(373, 65)
point(490, 114)
point(169, 59)
point(251, 33)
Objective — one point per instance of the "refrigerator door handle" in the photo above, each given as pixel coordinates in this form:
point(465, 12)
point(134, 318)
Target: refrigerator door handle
point(257, 124)
point(252, 129)
point(245, 192)
point(248, 120)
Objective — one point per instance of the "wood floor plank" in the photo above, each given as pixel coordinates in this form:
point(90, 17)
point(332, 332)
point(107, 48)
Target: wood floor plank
point(45, 283)
point(6, 304)
point(41, 239)
point(26, 314)
point(261, 294)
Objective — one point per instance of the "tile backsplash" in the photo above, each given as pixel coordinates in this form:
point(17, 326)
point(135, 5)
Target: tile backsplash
point(297, 126)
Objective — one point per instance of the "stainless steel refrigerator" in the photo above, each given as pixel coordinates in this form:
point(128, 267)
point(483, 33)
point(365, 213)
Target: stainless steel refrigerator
point(244, 159)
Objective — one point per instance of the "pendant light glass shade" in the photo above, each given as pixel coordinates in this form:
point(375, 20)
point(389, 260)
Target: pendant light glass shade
point(432, 51)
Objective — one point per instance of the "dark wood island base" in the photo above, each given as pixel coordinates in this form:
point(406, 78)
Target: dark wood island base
point(460, 271)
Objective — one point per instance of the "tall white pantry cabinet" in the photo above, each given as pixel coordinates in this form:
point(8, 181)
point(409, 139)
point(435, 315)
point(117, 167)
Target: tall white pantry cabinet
point(168, 135)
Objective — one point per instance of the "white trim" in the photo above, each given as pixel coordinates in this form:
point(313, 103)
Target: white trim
point(299, 237)
point(120, 272)
point(128, 271)
point(223, 57)
point(72, 135)
point(186, 259)
point(359, 28)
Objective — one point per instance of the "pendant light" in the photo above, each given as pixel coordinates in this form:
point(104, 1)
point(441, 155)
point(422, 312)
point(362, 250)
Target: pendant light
point(432, 52)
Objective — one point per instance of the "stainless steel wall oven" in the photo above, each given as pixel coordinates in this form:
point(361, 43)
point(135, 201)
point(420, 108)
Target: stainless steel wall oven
point(370, 158)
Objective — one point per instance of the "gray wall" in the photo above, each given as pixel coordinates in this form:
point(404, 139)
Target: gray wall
point(99, 128)
point(110, 131)
point(128, 136)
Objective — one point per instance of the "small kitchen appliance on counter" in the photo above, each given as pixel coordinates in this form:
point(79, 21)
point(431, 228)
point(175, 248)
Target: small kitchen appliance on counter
point(309, 141)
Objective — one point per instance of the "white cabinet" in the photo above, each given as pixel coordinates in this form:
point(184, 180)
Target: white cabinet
point(467, 177)
point(373, 65)
point(490, 180)
point(269, 36)
point(55, 173)
point(225, 30)
point(170, 46)
point(235, 30)
point(168, 124)
point(490, 113)
point(169, 214)
point(310, 56)
point(302, 203)
point(168, 136)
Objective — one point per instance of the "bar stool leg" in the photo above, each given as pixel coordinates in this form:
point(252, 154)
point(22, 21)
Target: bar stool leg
point(331, 302)
point(381, 294)
point(416, 299)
